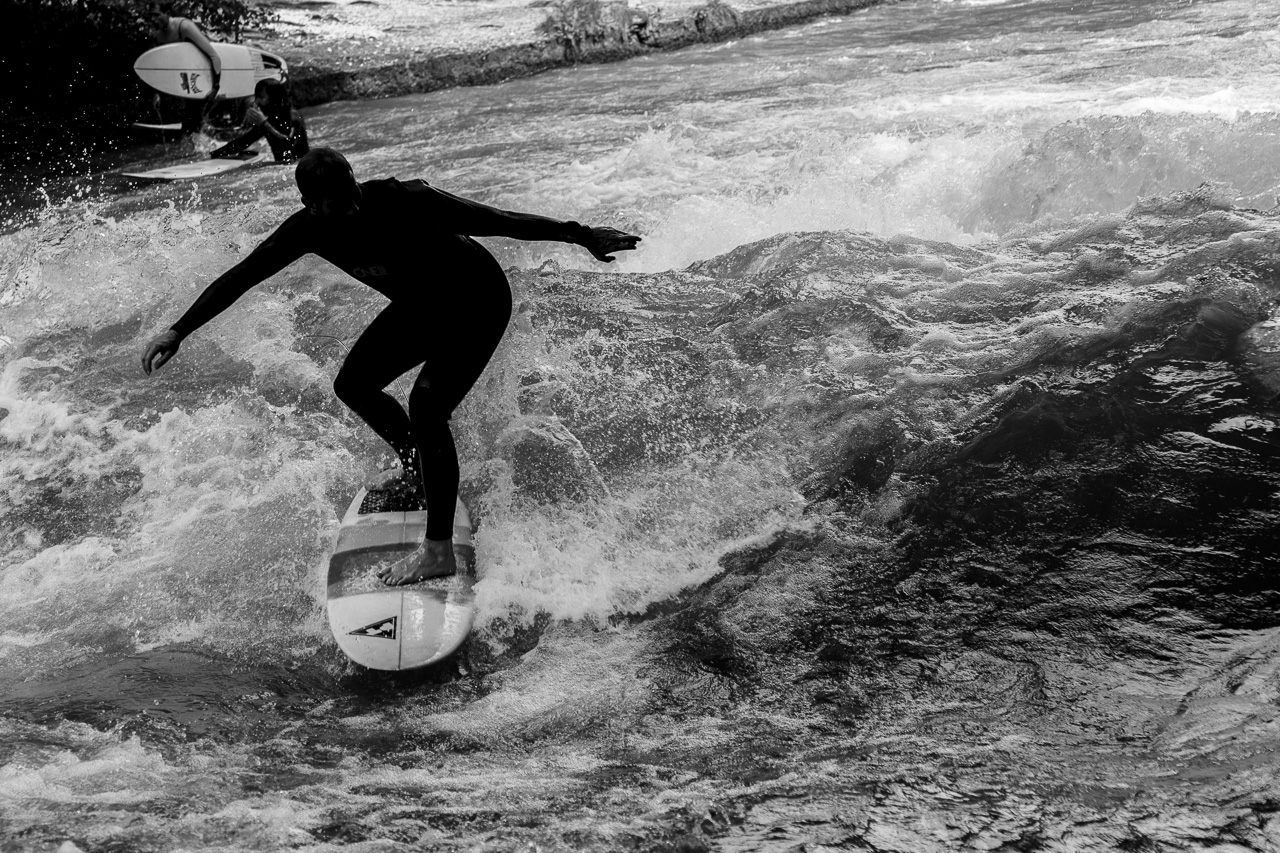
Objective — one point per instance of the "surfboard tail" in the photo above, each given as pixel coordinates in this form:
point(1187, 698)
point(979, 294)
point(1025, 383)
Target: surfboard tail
point(397, 628)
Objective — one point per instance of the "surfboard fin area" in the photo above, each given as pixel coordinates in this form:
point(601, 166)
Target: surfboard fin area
point(405, 627)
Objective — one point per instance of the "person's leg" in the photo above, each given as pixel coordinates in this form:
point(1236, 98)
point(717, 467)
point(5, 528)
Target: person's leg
point(455, 363)
point(193, 112)
point(390, 347)
point(439, 389)
point(438, 453)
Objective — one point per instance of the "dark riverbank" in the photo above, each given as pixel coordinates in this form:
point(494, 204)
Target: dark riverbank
point(365, 49)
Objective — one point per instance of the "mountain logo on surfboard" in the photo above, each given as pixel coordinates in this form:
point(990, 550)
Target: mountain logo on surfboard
point(383, 629)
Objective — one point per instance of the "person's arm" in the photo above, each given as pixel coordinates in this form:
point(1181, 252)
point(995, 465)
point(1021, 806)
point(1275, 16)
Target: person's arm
point(272, 255)
point(269, 130)
point(257, 118)
point(239, 144)
point(470, 217)
point(190, 32)
point(298, 144)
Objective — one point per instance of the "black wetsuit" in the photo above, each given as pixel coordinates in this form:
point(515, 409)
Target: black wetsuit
point(288, 150)
point(409, 243)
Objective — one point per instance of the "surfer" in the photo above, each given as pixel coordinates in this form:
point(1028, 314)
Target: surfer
point(171, 30)
point(450, 303)
point(274, 117)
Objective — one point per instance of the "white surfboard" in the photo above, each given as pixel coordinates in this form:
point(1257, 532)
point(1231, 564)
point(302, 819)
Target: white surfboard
point(183, 70)
point(402, 627)
point(199, 169)
point(174, 126)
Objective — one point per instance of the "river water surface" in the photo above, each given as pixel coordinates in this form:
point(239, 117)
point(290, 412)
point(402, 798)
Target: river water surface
point(914, 485)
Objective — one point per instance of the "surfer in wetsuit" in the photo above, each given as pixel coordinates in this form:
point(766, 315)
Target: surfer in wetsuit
point(171, 30)
point(450, 303)
point(273, 117)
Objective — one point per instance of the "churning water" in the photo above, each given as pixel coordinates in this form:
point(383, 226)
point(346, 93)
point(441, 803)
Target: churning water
point(913, 487)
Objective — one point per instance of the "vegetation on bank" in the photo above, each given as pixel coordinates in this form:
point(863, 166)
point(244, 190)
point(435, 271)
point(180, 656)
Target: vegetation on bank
point(577, 25)
point(73, 65)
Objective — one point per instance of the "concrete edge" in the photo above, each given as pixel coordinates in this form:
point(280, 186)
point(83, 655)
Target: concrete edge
point(713, 22)
point(632, 32)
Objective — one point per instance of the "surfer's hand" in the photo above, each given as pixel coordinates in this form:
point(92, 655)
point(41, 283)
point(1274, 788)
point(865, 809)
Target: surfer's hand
point(160, 350)
point(254, 116)
point(605, 241)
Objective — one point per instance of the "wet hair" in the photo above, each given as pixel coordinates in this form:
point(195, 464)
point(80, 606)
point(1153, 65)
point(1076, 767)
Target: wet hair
point(280, 110)
point(321, 169)
point(273, 87)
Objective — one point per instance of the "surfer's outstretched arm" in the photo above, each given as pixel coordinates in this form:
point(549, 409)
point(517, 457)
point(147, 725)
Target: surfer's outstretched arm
point(272, 255)
point(475, 219)
point(604, 241)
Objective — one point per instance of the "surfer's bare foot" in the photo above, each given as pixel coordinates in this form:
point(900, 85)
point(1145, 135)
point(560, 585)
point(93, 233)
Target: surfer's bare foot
point(433, 559)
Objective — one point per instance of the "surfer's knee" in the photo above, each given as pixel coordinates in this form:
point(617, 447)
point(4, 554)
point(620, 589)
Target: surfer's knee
point(347, 386)
point(427, 403)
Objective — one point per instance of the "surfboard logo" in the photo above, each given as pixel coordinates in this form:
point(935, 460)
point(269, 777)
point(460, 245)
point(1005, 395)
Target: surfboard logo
point(190, 82)
point(383, 629)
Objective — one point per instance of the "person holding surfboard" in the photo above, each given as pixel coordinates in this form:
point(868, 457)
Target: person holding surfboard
point(171, 30)
point(450, 303)
point(274, 117)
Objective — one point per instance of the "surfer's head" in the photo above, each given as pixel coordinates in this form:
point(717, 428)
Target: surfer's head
point(270, 92)
point(272, 97)
point(158, 14)
point(328, 185)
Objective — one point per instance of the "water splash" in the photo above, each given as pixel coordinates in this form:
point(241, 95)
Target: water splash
point(889, 519)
